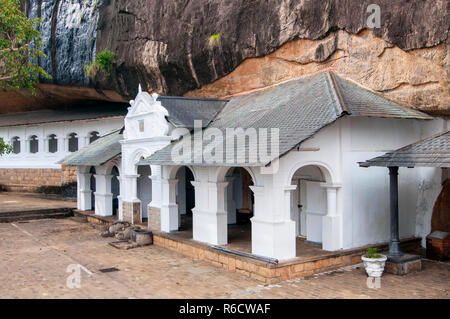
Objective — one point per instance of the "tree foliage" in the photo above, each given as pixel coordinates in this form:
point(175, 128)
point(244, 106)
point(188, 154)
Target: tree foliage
point(20, 43)
point(5, 148)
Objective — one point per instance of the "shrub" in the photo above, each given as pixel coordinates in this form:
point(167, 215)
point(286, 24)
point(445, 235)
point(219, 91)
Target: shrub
point(214, 40)
point(103, 61)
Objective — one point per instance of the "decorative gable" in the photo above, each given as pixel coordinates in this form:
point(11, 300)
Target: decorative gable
point(146, 117)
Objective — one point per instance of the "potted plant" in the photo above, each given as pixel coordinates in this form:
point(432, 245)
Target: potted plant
point(374, 262)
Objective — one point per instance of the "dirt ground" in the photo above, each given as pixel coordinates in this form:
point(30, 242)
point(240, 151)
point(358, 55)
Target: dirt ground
point(40, 259)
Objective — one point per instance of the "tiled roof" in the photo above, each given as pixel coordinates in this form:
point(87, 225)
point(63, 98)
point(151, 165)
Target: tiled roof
point(49, 116)
point(98, 152)
point(184, 110)
point(298, 108)
point(431, 152)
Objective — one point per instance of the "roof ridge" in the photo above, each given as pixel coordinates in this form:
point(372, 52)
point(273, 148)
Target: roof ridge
point(192, 98)
point(335, 91)
point(297, 78)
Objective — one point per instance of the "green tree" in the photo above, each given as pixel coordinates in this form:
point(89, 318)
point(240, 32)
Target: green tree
point(20, 43)
point(5, 148)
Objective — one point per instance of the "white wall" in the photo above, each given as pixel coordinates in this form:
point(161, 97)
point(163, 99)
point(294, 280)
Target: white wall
point(44, 159)
point(366, 190)
point(363, 195)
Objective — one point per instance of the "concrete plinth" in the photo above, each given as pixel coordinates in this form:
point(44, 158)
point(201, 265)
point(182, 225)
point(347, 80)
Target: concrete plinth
point(403, 265)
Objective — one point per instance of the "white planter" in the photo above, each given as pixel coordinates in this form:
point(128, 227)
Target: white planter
point(374, 266)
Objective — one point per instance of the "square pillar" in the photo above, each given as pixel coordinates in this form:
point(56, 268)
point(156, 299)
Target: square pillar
point(394, 242)
point(84, 191)
point(154, 207)
point(332, 222)
point(60, 144)
point(131, 205)
point(230, 205)
point(169, 207)
point(273, 235)
point(209, 217)
point(103, 195)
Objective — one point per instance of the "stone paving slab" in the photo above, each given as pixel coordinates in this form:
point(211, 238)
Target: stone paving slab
point(35, 256)
point(13, 202)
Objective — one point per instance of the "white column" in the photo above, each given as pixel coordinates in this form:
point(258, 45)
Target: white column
point(44, 145)
point(273, 233)
point(82, 141)
point(169, 207)
point(60, 144)
point(26, 146)
point(129, 190)
point(209, 214)
point(119, 199)
point(84, 190)
point(156, 186)
point(331, 223)
point(230, 204)
point(103, 195)
point(40, 142)
point(66, 144)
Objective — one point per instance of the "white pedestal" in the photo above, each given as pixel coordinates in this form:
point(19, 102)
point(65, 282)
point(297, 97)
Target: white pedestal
point(331, 236)
point(209, 227)
point(275, 239)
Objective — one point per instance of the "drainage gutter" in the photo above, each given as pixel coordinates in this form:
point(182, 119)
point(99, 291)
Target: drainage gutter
point(244, 254)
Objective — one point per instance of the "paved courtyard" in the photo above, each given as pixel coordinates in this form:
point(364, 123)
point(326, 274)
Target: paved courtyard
point(35, 256)
point(13, 202)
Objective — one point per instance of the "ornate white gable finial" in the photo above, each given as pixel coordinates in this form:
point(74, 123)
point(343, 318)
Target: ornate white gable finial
point(139, 88)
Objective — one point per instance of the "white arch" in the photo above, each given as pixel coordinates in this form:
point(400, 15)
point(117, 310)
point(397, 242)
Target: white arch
point(173, 170)
point(326, 170)
point(111, 163)
point(136, 156)
point(222, 172)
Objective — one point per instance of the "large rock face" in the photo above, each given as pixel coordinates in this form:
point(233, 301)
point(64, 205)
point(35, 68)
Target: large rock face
point(165, 45)
point(418, 78)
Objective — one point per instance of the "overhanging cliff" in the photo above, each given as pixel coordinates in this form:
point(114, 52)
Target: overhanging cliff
point(165, 45)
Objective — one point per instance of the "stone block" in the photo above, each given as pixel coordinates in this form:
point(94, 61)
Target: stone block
point(403, 265)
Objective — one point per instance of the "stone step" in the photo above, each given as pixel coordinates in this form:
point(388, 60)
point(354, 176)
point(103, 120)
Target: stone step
point(35, 212)
point(35, 215)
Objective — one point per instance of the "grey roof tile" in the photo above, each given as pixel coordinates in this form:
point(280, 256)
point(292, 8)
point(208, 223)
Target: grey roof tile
point(98, 152)
point(430, 152)
point(49, 116)
point(298, 108)
point(184, 110)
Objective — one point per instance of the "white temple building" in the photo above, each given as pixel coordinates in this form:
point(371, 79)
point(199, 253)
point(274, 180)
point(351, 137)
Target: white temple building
point(295, 174)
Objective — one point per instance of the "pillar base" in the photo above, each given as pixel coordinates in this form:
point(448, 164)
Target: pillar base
point(331, 235)
point(84, 201)
point(169, 218)
point(154, 217)
point(394, 248)
point(210, 227)
point(273, 239)
point(131, 212)
point(103, 204)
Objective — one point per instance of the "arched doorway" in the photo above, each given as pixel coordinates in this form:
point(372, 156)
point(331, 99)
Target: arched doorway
point(115, 190)
point(144, 189)
point(185, 198)
point(239, 204)
point(309, 203)
point(92, 186)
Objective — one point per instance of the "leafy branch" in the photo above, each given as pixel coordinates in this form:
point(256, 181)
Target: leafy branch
point(20, 43)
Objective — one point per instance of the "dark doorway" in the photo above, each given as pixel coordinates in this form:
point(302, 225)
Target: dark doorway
point(92, 184)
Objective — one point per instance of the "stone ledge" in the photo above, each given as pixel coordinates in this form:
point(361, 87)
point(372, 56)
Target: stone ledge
point(261, 271)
